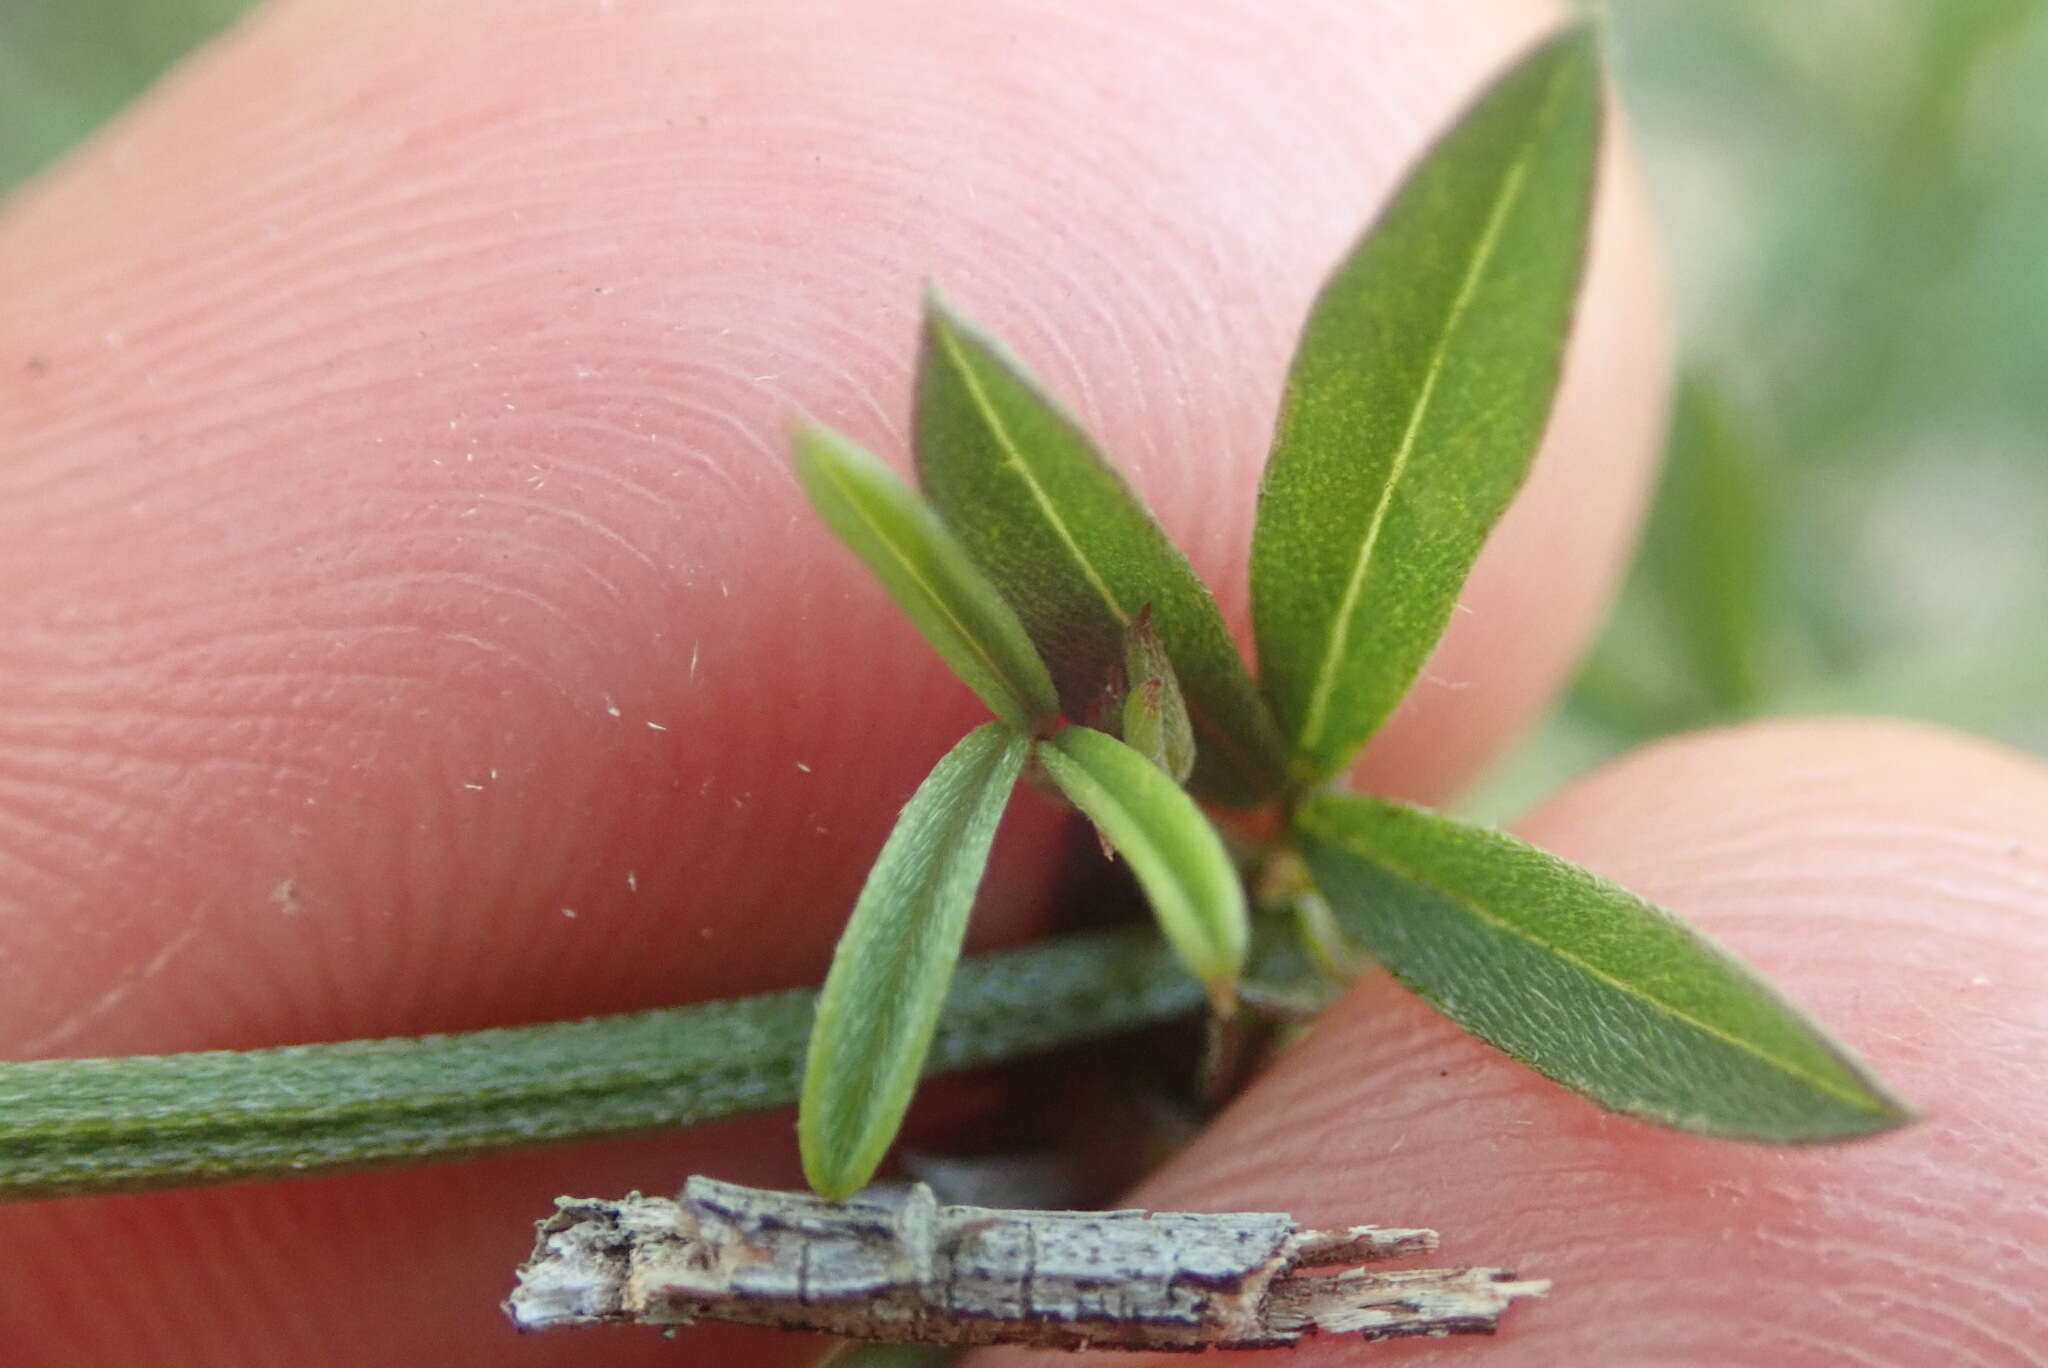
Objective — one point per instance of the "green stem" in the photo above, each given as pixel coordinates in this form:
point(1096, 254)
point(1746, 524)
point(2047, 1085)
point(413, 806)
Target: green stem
point(112, 1125)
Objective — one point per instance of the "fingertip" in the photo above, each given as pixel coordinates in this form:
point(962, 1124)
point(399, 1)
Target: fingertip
point(1890, 879)
point(462, 506)
point(417, 627)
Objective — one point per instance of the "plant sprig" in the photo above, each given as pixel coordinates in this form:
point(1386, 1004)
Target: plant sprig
point(881, 1001)
point(1417, 398)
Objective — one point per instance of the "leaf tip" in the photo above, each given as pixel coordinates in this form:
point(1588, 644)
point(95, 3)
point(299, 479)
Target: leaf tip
point(813, 447)
point(965, 346)
point(809, 443)
point(832, 1181)
point(940, 314)
point(1578, 40)
point(796, 428)
point(1576, 56)
point(837, 1156)
point(1888, 1112)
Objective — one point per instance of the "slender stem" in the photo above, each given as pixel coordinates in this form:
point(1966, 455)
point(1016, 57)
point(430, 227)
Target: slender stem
point(107, 1125)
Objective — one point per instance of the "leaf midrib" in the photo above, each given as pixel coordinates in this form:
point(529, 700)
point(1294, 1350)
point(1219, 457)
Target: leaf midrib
point(1622, 986)
point(1153, 852)
point(1025, 707)
point(1242, 758)
point(945, 847)
point(856, 1110)
point(1014, 457)
point(943, 844)
point(1317, 718)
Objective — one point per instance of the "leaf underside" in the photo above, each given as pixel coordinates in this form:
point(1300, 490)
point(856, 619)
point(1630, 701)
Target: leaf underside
point(1416, 401)
point(1582, 980)
point(1077, 554)
point(932, 579)
point(1174, 851)
point(881, 1000)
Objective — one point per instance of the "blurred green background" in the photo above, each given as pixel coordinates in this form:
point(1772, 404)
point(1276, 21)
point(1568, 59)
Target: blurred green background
point(1855, 196)
point(1854, 511)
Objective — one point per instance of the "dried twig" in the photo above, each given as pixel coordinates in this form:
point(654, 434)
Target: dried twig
point(913, 1270)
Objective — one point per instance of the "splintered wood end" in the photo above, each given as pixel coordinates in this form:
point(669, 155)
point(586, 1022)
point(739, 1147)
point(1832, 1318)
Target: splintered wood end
point(910, 1270)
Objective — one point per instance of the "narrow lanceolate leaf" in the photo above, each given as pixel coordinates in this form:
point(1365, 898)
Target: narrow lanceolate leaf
point(1076, 552)
point(881, 1000)
point(1582, 980)
point(1175, 853)
point(1416, 401)
point(929, 575)
point(1155, 715)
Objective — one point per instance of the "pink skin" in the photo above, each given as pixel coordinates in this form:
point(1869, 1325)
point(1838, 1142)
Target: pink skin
point(1892, 879)
point(390, 398)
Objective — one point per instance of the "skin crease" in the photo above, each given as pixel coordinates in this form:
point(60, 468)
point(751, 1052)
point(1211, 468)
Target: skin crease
point(396, 545)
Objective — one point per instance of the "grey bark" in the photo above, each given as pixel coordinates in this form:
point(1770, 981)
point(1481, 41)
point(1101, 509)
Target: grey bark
point(911, 1270)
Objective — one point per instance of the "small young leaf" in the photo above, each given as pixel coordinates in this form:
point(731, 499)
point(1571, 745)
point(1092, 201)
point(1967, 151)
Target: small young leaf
point(1176, 854)
point(1076, 553)
point(1582, 980)
point(881, 1000)
point(928, 574)
point(1155, 715)
point(1416, 401)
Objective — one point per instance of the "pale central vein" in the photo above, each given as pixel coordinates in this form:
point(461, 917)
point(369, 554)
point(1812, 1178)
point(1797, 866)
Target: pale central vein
point(1374, 855)
point(961, 630)
point(1014, 455)
point(1354, 588)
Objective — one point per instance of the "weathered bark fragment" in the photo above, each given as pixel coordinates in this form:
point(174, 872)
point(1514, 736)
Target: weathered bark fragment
point(911, 1270)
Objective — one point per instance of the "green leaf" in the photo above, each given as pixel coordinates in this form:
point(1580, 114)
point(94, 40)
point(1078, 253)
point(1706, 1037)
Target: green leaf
point(1582, 980)
point(1155, 715)
point(1416, 402)
point(928, 574)
point(881, 1000)
point(1076, 553)
point(1176, 854)
point(854, 1354)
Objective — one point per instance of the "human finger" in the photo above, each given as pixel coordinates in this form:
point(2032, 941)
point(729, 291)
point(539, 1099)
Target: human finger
point(411, 623)
point(1892, 880)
